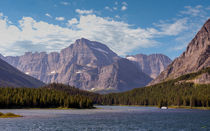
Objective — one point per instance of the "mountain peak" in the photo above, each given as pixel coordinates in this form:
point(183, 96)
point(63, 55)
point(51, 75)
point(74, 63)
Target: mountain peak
point(82, 40)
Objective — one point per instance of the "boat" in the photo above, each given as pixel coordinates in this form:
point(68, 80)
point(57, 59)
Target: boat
point(164, 107)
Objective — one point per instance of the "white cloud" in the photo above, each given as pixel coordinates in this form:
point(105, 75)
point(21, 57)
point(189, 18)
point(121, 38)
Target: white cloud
point(48, 15)
point(114, 8)
point(32, 35)
point(173, 29)
point(65, 3)
point(117, 16)
point(82, 12)
point(124, 3)
point(123, 8)
point(72, 22)
point(59, 18)
point(108, 8)
point(193, 11)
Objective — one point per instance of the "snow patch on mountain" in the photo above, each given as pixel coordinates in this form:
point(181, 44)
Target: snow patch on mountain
point(131, 58)
point(98, 49)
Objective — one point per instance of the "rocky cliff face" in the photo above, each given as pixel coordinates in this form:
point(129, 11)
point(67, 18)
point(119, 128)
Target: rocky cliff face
point(196, 57)
point(152, 64)
point(85, 64)
point(10, 76)
point(122, 74)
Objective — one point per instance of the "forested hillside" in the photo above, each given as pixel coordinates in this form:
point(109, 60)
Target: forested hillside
point(178, 92)
point(41, 98)
point(70, 90)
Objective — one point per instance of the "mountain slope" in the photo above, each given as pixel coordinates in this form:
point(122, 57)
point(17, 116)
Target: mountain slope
point(196, 57)
point(122, 75)
point(152, 64)
point(85, 64)
point(9, 76)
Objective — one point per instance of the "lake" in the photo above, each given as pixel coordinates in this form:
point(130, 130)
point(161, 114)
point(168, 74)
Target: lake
point(110, 118)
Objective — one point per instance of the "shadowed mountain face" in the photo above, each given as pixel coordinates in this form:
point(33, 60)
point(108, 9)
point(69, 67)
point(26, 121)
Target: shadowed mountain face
point(195, 58)
point(85, 64)
point(10, 76)
point(152, 64)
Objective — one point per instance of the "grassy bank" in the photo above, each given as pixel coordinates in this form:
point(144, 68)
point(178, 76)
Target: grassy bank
point(9, 115)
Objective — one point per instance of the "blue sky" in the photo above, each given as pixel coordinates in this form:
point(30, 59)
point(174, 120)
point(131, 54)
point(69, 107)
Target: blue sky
point(126, 26)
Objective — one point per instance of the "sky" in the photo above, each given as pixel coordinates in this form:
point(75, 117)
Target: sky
point(128, 27)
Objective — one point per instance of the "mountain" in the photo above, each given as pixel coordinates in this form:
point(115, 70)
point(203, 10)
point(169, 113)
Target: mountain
point(152, 64)
point(195, 58)
point(10, 76)
point(122, 75)
point(85, 64)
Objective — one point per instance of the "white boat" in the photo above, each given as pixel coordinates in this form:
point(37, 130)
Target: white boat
point(164, 107)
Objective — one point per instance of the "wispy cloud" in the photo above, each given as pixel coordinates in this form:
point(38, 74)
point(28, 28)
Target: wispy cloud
point(124, 6)
point(48, 15)
point(59, 18)
point(116, 6)
point(65, 3)
point(108, 8)
point(82, 12)
point(72, 22)
point(117, 16)
point(172, 29)
point(193, 11)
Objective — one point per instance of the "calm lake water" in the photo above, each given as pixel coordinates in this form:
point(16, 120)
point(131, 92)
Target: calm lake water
point(110, 118)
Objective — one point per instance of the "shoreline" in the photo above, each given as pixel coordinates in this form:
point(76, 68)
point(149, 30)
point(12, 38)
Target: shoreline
point(169, 107)
point(47, 108)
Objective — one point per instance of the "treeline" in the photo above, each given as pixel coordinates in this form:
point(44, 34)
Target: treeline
point(165, 94)
point(175, 92)
point(41, 98)
point(71, 90)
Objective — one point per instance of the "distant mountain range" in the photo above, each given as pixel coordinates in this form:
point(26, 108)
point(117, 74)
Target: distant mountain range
point(90, 65)
point(152, 64)
point(10, 76)
point(195, 58)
